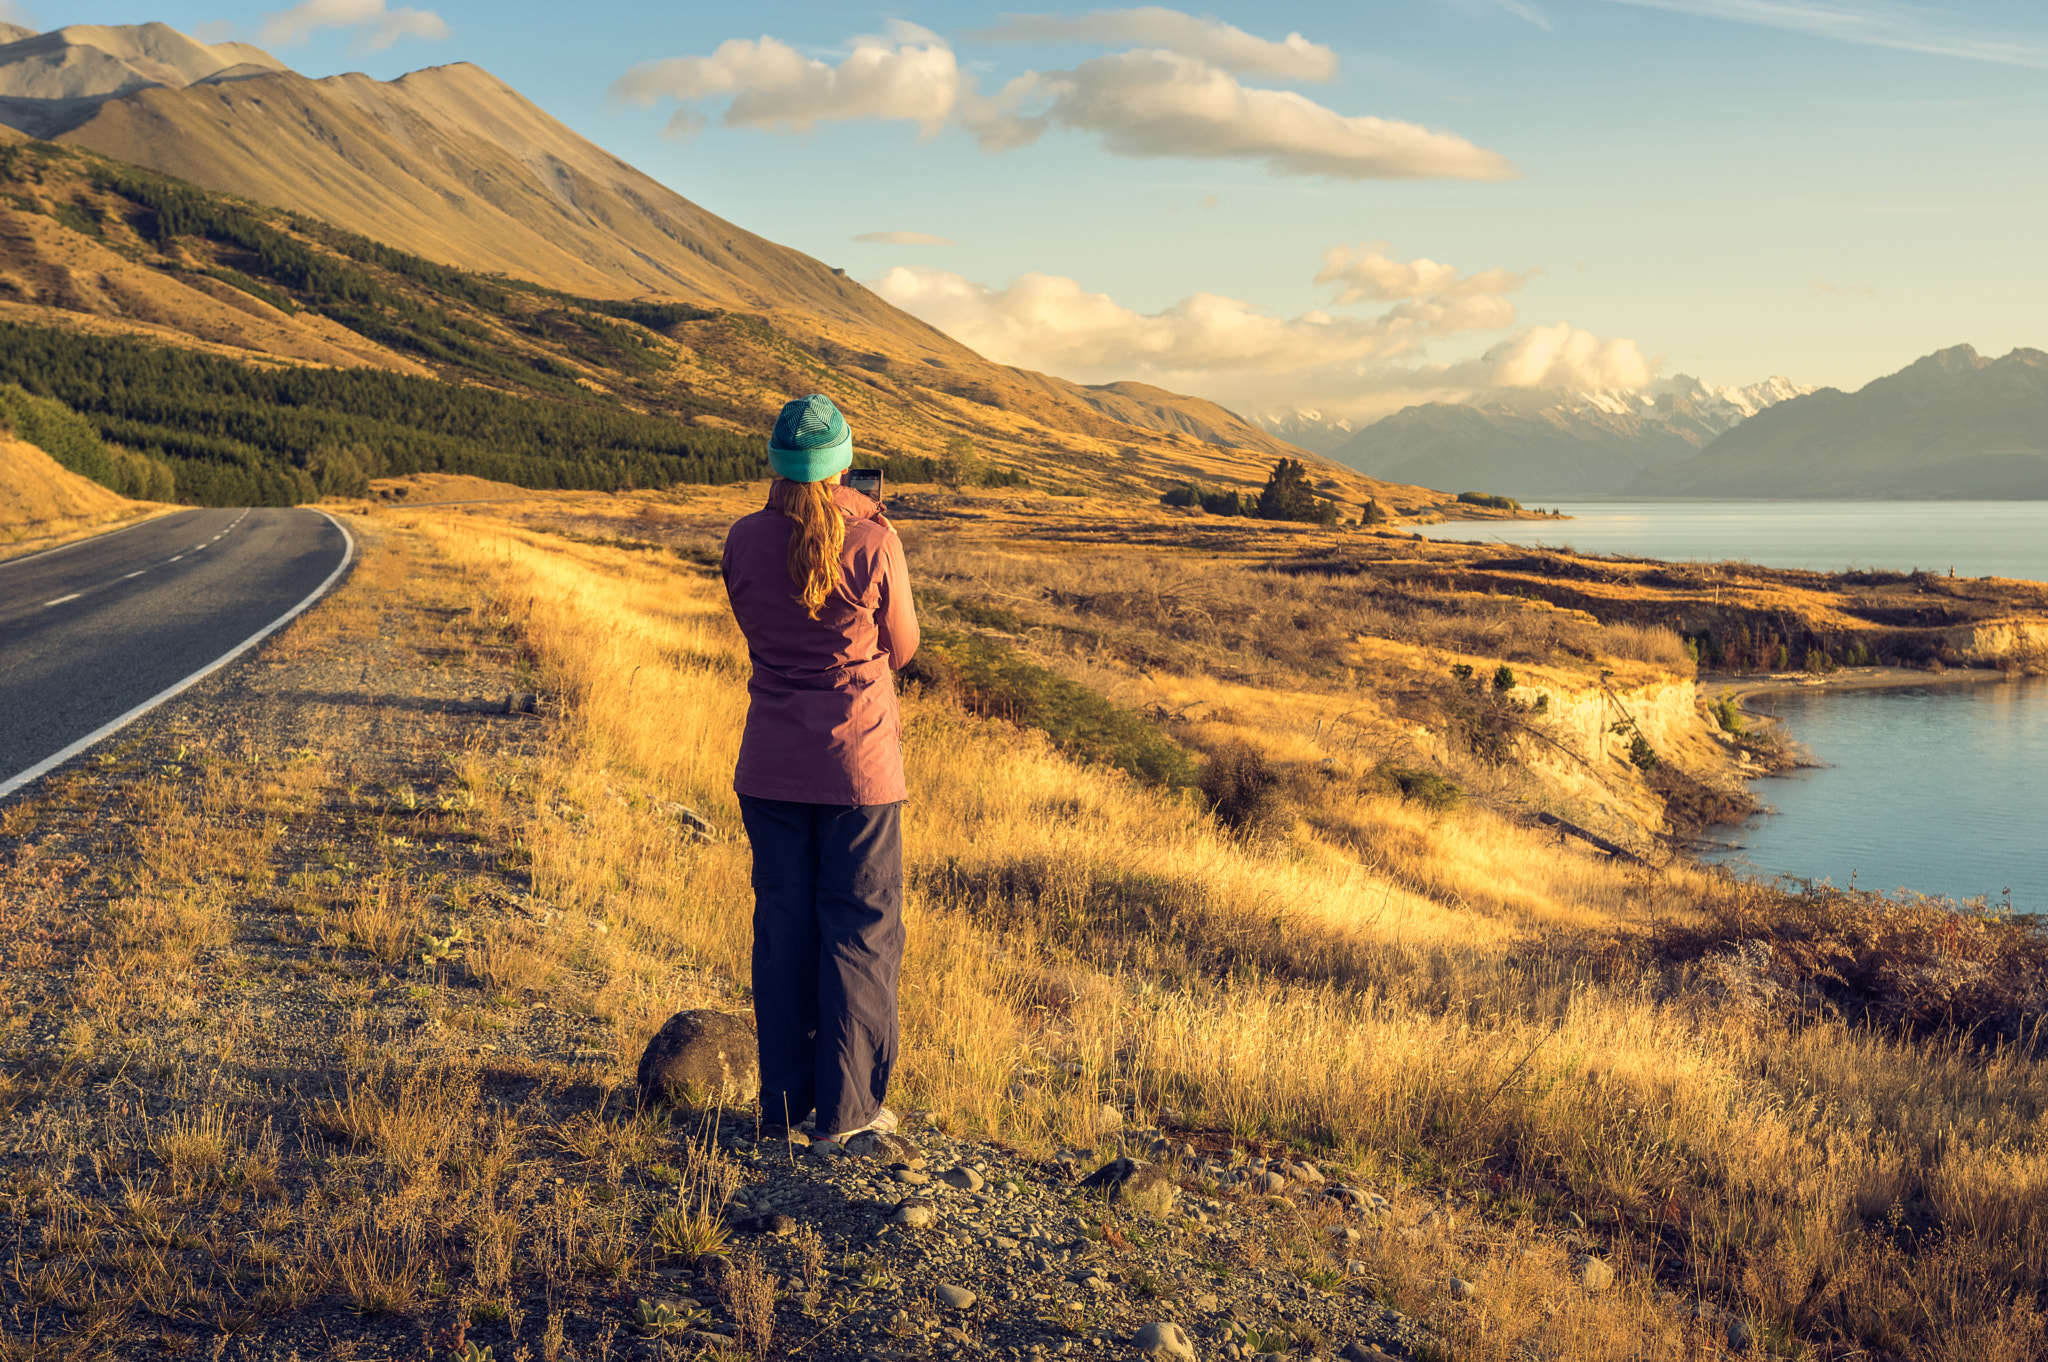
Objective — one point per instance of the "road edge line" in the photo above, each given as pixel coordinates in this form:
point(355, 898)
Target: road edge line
point(48, 764)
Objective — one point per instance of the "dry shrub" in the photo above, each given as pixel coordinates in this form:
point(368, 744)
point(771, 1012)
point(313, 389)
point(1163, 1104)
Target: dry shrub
point(748, 1293)
point(383, 1269)
point(1653, 643)
point(413, 1118)
point(508, 962)
point(193, 1144)
point(1913, 965)
point(381, 919)
point(1242, 789)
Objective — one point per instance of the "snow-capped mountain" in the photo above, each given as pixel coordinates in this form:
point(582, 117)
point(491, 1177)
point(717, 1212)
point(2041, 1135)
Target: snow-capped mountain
point(1536, 442)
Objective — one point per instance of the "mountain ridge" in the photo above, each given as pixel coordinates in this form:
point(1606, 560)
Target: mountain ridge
point(1952, 424)
point(1549, 443)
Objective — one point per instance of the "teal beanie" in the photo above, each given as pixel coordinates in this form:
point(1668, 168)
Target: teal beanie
point(811, 440)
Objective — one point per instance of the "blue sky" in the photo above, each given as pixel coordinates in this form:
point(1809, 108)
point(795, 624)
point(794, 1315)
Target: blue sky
point(1562, 191)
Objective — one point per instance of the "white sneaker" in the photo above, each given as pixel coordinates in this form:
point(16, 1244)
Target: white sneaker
point(884, 1122)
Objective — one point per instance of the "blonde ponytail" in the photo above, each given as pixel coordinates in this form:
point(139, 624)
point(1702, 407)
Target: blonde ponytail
point(816, 539)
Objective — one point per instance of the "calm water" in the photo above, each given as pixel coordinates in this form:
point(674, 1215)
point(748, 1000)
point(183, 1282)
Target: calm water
point(1938, 789)
point(1976, 538)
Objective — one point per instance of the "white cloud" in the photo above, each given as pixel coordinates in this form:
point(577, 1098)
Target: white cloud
point(1563, 356)
point(1143, 103)
point(1155, 103)
point(903, 239)
point(1368, 275)
point(1246, 357)
point(1042, 321)
point(378, 27)
point(1206, 39)
point(1872, 23)
point(907, 75)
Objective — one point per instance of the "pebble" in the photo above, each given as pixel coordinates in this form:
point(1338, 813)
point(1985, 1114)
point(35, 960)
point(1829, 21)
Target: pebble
point(910, 1176)
point(1740, 1335)
point(1462, 1290)
point(965, 1178)
point(914, 1214)
point(1165, 1342)
point(1594, 1274)
point(954, 1297)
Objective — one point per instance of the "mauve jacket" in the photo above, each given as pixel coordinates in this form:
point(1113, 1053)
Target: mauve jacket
point(822, 725)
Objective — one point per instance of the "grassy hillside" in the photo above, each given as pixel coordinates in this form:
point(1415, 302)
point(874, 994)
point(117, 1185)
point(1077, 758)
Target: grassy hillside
point(43, 503)
point(265, 356)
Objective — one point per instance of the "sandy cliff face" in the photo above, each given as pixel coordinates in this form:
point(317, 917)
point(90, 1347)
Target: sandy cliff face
point(1992, 642)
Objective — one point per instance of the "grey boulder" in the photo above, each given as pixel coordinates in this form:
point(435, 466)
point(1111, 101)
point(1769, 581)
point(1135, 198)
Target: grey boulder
point(702, 1057)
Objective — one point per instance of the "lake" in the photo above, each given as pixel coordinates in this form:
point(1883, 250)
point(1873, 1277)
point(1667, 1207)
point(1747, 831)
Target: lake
point(1940, 789)
point(1976, 538)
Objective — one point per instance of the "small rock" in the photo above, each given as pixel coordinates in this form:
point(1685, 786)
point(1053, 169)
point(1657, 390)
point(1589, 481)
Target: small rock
point(910, 1177)
point(1149, 1187)
point(1740, 1335)
point(703, 1339)
point(965, 1178)
point(883, 1148)
point(914, 1215)
point(1354, 1351)
point(1108, 1117)
point(1462, 1290)
point(1165, 1342)
point(1270, 1183)
point(1594, 1274)
point(1346, 1234)
point(701, 1056)
point(1305, 1172)
point(953, 1297)
point(781, 1226)
point(1205, 1303)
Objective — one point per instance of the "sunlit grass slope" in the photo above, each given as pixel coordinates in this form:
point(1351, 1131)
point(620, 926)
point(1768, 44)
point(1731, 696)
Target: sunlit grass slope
point(1448, 1011)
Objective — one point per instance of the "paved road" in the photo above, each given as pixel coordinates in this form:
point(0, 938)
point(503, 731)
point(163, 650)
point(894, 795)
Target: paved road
point(96, 633)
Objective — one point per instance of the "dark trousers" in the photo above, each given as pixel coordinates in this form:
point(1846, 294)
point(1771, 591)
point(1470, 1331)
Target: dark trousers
point(828, 942)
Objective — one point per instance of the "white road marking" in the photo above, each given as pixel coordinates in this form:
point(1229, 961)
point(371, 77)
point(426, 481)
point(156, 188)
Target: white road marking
point(13, 783)
point(173, 560)
point(61, 599)
point(137, 573)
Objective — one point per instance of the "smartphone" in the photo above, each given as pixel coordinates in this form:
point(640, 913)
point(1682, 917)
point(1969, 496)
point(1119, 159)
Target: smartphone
point(865, 480)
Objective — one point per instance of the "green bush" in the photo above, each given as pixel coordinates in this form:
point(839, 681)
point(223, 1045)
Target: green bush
point(1426, 788)
point(1728, 714)
point(1489, 500)
point(992, 679)
point(1289, 496)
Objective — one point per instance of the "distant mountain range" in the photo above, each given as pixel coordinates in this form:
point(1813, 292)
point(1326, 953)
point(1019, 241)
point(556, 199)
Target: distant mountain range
point(454, 167)
point(1540, 443)
point(1952, 425)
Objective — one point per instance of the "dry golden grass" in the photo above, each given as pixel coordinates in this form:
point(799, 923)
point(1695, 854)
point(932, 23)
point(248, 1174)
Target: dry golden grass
point(1378, 981)
point(43, 504)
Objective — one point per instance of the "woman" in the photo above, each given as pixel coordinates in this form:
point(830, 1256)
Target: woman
point(820, 589)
